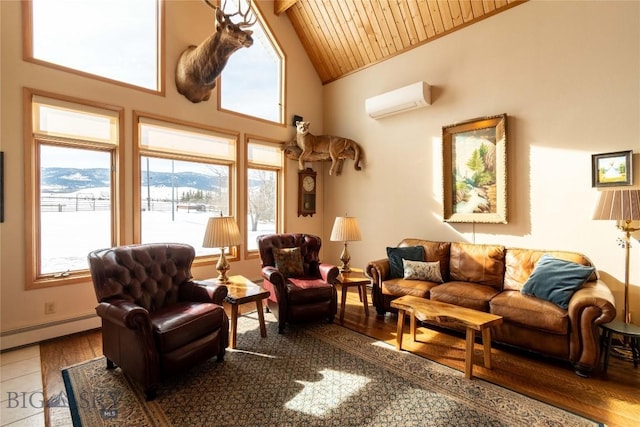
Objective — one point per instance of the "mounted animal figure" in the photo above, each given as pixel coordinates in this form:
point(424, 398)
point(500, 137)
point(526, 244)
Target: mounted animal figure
point(337, 147)
point(199, 66)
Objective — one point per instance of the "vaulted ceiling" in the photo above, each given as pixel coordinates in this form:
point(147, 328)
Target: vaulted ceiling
point(344, 36)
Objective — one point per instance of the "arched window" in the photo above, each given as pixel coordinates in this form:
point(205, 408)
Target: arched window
point(252, 81)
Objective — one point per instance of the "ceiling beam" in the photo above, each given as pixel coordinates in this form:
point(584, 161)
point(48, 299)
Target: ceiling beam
point(280, 6)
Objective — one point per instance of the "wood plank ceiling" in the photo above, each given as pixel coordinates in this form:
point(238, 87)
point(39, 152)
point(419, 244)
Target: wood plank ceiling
point(344, 36)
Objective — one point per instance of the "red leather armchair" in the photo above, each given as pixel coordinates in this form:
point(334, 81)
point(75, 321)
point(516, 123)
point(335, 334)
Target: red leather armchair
point(155, 320)
point(308, 296)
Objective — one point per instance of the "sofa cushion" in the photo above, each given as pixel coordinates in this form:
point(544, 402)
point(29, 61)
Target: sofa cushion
point(396, 255)
point(419, 270)
point(308, 290)
point(530, 312)
point(482, 264)
point(521, 262)
point(464, 294)
point(400, 287)
point(183, 322)
point(289, 261)
point(556, 280)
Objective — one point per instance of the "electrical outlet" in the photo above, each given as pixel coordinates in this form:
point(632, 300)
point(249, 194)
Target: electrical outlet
point(49, 308)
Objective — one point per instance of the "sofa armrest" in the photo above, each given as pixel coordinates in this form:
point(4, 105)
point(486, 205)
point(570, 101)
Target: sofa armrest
point(128, 341)
point(125, 314)
point(328, 272)
point(204, 291)
point(278, 283)
point(274, 276)
point(590, 306)
point(378, 271)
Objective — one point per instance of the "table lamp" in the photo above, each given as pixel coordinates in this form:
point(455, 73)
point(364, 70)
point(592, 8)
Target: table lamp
point(221, 232)
point(345, 229)
point(622, 206)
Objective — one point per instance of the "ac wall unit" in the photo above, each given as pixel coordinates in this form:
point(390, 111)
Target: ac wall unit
point(416, 95)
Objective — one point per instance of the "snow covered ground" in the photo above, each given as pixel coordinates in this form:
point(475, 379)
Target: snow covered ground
point(65, 247)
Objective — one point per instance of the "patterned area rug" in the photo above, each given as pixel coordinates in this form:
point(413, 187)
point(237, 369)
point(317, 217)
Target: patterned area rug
point(313, 375)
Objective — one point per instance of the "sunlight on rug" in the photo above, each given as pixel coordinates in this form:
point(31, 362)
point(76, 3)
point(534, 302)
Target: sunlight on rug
point(334, 387)
point(312, 375)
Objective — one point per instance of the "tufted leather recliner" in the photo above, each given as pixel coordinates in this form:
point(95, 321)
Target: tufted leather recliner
point(155, 320)
point(310, 296)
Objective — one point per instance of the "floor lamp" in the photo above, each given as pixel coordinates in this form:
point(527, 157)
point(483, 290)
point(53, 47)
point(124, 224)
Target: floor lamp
point(345, 229)
point(221, 232)
point(622, 206)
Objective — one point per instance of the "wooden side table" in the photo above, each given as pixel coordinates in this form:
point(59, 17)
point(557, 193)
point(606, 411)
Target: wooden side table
point(354, 278)
point(629, 332)
point(241, 291)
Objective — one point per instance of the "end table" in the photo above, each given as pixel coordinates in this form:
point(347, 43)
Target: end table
point(355, 277)
point(241, 291)
point(629, 332)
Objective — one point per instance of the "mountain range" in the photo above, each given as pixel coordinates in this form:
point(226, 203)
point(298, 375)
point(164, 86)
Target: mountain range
point(69, 180)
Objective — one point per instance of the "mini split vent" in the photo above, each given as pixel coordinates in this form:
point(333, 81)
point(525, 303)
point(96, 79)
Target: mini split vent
point(416, 95)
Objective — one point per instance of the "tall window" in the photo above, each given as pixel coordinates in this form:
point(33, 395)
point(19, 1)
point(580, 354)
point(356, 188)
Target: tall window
point(71, 179)
point(252, 80)
point(264, 183)
point(186, 174)
point(114, 39)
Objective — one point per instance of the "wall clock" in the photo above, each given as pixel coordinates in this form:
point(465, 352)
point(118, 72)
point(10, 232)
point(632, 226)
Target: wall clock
point(307, 192)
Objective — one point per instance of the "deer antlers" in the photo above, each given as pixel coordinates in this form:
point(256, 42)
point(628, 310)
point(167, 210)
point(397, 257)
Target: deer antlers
point(246, 22)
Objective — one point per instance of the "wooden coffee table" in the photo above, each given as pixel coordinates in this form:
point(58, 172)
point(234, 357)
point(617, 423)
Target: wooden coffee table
point(241, 291)
point(473, 320)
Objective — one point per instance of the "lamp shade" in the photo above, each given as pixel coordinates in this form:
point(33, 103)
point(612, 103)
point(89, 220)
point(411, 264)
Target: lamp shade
point(345, 229)
point(221, 232)
point(619, 205)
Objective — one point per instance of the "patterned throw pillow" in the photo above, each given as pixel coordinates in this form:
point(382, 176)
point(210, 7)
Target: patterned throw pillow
point(418, 270)
point(289, 261)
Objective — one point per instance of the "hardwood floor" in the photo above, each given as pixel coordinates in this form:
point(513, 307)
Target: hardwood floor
point(612, 399)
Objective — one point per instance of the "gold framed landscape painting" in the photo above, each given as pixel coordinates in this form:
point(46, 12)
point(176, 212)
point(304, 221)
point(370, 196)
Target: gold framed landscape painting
point(474, 155)
point(611, 169)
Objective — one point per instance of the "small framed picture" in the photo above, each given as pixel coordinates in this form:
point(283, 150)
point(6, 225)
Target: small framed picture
point(612, 169)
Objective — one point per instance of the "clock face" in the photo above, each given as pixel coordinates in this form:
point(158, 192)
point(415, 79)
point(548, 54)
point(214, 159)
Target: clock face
point(308, 183)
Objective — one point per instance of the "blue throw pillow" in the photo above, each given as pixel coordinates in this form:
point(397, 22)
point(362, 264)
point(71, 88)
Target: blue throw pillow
point(396, 255)
point(556, 280)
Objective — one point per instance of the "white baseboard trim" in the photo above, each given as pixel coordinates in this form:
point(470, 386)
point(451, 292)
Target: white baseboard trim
point(37, 333)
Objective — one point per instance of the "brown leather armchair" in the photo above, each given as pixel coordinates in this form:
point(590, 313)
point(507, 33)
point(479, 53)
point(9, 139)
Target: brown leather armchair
point(310, 295)
point(155, 320)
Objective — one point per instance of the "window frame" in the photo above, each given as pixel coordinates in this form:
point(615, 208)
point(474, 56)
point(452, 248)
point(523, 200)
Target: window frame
point(282, 74)
point(34, 279)
point(280, 183)
point(28, 51)
point(233, 253)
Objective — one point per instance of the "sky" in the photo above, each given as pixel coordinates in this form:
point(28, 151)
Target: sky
point(119, 42)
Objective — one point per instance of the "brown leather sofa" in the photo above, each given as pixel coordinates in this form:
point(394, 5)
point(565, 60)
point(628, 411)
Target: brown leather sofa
point(155, 321)
point(307, 295)
point(490, 278)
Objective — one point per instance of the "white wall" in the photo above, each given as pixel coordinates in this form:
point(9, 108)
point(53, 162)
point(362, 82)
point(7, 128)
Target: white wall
point(187, 22)
point(568, 76)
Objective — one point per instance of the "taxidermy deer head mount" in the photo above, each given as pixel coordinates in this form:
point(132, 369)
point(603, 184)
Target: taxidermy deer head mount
point(199, 66)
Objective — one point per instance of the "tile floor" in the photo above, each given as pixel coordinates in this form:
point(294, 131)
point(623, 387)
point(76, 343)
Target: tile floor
point(21, 383)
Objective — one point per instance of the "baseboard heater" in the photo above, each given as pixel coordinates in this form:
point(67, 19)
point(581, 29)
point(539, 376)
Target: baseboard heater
point(37, 333)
